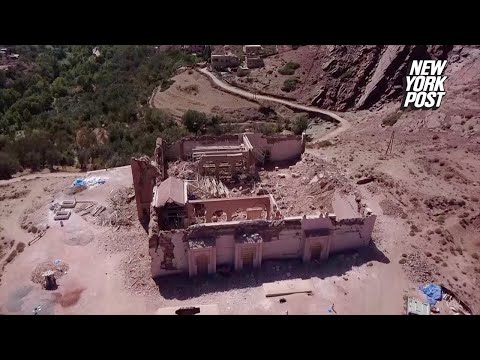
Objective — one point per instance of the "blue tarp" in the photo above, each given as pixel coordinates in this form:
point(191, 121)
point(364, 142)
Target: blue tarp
point(89, 181)
point(79, 182)
point(433, 293)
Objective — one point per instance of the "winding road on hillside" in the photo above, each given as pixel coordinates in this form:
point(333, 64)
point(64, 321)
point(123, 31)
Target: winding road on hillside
point(249, 95)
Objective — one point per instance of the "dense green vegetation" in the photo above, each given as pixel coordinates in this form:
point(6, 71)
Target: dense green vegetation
point(300, 125)
point(200, 123)
point(62, 105)
point(289, 68)
point(290, 85)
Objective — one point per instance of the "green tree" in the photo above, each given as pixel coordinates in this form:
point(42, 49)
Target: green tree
point(300, 125)
point(7, 98)
point(290, 85)
point(83, 158)
point(52, 157)
point(65, 91)
point(8, 165)
point(214, 125)
point(194, 121)
point(267, 129)
point(26, 115)
point(207, 53)
point(85, 138)
point(3, 78)
point(58, 87)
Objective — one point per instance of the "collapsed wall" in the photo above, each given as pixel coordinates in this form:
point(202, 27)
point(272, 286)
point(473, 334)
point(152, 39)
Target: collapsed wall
point(225, 244)
point(178, 243)
point(183, 148)
point(280, 147)
point(146, 174)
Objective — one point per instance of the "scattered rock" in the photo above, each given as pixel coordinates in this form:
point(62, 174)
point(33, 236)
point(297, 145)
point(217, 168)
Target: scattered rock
point(365, 180)
point(314, 180)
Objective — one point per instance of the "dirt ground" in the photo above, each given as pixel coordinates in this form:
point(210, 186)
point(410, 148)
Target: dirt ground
point(108, 268)
point(193, 91)
point(428, 189)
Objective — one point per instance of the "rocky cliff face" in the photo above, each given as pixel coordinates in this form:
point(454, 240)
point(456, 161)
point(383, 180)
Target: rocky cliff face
point(359, 77)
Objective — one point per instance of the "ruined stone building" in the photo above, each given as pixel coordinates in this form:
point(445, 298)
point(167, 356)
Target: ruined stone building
point(222, 62)
point(253, 62)
point(252, 50)
point(195, 235)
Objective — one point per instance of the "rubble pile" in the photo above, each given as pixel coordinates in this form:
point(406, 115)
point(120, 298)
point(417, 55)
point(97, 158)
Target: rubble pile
point(185, 170)
point(58, 267)
point(136, 264)
point(305, 187)
point(417, 268)
point(120, 209)
point(208, 187)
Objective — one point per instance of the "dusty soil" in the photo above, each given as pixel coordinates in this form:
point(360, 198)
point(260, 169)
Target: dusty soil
point(79, 243)
point(428, 186)
point(192, 90)
point(111, 272)
point(57, 266)
point(180, 97)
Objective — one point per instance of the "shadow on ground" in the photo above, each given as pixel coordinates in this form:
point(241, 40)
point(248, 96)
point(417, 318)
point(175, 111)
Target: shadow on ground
point(270, 166)
point(181, 287)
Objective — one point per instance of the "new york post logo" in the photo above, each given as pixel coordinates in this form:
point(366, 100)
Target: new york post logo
point(424, 84)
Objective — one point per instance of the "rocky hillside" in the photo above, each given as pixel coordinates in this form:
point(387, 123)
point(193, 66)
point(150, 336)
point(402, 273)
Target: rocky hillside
point(343, 77)
point(362, 76)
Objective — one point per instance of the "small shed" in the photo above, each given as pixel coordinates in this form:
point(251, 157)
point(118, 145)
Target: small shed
point(416, 307)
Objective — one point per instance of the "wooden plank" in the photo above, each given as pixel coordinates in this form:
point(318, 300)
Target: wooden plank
point(279, 288)
point(100, 211)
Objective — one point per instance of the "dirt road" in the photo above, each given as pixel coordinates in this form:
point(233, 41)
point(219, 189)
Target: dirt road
point(248, 95)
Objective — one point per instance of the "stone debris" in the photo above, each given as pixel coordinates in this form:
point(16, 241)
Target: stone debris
point(312, 190)
point(185, 170)
point(57, 268)
point(417, 268)
point(208, 187)
point(119, 210)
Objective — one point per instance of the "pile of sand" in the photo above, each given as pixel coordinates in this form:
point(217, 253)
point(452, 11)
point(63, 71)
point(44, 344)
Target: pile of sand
point(59, 267)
